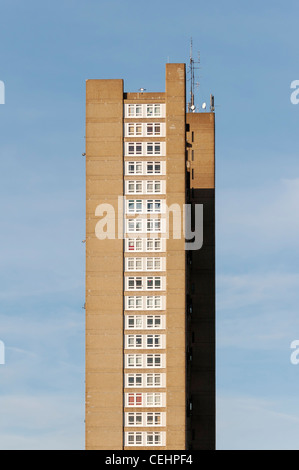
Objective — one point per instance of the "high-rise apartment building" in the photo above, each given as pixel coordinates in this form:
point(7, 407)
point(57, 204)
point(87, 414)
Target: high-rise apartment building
point(150, 296)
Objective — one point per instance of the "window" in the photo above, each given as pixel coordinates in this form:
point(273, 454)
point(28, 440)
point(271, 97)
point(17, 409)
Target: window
point(145, 322)
point(153, 129)
point(134, 168)
point(144, 148)
point(150, 129)
point(135, 438)
point(153, 302)
point(131, 168)
point(145, 245)
point(153, 399)
point(153, 205)
point(134, 302)
point(153, 225)
point(157, 167)
point(150, 244)
point(157, 186)
point(154, 438)
point(134, 399)
point(134, 244)
point(154, 321)
point(134, 283)
point(134, 360)
point(157, 244)
point(153, 244)
point(153, 283)
point(147, 380)
point(150, 148)
point(130, 264)
point(157, 148)
point(157, 205)
point(134, 129)
point(133, 341)
point(134, 148)
point(134, 187)
point(144, 341)
point(134, 110)
point(131, 186)
point(149, 187)
point(153, 148)
point(150, 264)
point(157, 264)
point(153, 341)
point(153, 168)
point(145, 168)
point(134, 380)
point(153, 380)
point(137, 418)
point(134, 321)
point(150, 206)
point(157, 302)
point(150, 168)
point(134, 205)
point(153, 419)
point(134, 225)
point(134, 419)
point(145, 360)
point(153, 110)
point(153, 360)
point(134, 264)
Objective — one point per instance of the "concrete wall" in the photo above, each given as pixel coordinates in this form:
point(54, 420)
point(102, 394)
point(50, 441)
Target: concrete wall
point(104, 268)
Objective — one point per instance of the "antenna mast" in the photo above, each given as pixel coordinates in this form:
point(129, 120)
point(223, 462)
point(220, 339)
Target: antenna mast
point(191, 105)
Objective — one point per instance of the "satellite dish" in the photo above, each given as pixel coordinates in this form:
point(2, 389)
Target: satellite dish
point(192, 107)
point(204, 105)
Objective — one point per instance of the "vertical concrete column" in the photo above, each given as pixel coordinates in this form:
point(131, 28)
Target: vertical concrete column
point(175, 168)
point(104, 265)
point(201, 384)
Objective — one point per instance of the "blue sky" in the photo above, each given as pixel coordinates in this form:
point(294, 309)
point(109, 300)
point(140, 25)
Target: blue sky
point(249, 57)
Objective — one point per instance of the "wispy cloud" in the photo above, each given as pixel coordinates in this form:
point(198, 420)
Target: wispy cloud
point(41, 421)
point(252, 423)
point(258, 221)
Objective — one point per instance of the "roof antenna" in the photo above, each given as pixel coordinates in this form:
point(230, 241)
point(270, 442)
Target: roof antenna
point(192, 68)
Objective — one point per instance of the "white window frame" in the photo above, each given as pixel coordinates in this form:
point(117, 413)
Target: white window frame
point(145, 419)
point(145, 399)
point(145, 380)
point(145, 187)
point(145, 361)
point(131, 399)
point(134, 225)
point(134, 110)
point(145, 245)
point(146, 302)
point(145, 206)
point(158, 129)
point(141, 322)
point(145, 225)
point(138, 167)
point(143, 129)
point(151, 263)
point(145, 341)
point(144, 149)
point(145, 283)
point(147, 110)
point(145, 439)
point(134, 129)
point(154, 110)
